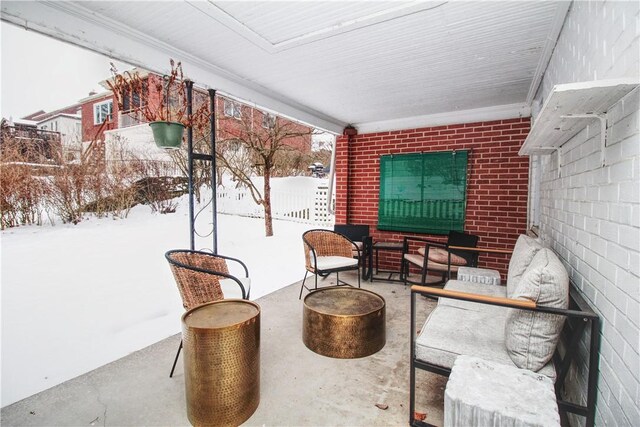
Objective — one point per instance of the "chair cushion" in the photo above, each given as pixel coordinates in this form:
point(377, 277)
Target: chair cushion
point(531, 337)
point(334, 262)
point(453, 331)
point(523, 252)
point(441, 256)
point(474, 288)
point(431, 265)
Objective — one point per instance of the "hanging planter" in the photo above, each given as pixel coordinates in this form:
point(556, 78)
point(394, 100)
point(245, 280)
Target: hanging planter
point(167, 135)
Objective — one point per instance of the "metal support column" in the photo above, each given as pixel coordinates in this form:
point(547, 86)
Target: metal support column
point(211, 157)
point(192, 240)
point(214, 181)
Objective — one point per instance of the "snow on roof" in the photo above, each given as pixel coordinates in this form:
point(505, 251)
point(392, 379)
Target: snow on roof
point(25, 122)
point(51, 117)
point(42, 116)
point(141, 72)
point(32, 115)
point(94, 97)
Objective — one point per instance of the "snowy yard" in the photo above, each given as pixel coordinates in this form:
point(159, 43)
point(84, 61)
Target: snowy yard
point(77, 297)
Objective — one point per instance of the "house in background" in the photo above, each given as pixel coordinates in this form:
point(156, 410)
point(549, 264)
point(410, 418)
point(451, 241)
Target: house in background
point(69, 126)
point(49, 132)
point(127, 131)
point(34, 146)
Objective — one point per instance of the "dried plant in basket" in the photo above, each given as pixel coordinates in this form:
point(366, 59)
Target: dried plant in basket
point(159, 99)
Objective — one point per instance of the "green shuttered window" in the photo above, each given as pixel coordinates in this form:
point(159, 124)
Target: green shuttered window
point(423, 192)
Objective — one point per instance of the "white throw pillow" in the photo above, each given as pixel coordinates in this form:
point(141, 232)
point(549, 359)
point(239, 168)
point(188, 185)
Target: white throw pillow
point(523, 252)
point(531, 337)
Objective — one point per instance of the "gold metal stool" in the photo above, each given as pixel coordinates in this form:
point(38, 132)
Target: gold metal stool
point(344, 322)
point(222, 362)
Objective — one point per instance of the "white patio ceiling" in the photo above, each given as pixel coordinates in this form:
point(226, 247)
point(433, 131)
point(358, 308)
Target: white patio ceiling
point(376, 65)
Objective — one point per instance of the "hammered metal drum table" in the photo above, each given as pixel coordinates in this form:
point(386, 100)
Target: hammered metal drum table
point(222, 362)
point(344, 322)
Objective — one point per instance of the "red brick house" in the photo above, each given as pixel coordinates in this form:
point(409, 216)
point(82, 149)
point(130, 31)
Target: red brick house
point(100, 114)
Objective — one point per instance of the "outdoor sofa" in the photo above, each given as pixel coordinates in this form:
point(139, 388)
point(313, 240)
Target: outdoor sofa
point(535, 322)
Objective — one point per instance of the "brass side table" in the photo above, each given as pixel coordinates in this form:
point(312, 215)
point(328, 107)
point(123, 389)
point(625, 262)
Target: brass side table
point(344, 322)
point(221, 343)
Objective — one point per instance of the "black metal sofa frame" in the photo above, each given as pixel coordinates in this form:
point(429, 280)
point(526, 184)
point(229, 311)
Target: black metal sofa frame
point(578, 315)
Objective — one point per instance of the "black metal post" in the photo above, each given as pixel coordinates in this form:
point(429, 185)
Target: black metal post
point(214, 181)
point(594, 360)
point(412, 355)
point(192, 242)
point(211, 157)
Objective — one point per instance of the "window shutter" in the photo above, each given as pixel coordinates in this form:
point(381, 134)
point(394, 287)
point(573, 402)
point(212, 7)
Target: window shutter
point(423, 192)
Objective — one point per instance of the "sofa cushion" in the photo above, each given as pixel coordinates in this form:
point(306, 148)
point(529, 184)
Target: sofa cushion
point(474, 288)
point(531, 337)
point(523, 252)
point(453, 331)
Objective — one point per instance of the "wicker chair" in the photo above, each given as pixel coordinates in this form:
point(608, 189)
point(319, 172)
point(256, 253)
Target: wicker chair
point(327, 252)
point(441, 260)
point(203, 277)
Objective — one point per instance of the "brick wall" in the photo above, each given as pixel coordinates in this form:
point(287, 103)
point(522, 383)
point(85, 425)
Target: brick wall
point(230, 127)
point(496, 183)
point(590, 215)
point(91, 131)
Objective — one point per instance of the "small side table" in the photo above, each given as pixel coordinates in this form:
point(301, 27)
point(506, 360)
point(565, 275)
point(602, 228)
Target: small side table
point(385, 246)
point(222, 362)
point(483, 393)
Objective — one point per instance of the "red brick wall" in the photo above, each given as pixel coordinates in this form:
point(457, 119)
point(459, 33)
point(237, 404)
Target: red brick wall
point(497, 181)
point(92, 131)
point(229, 127)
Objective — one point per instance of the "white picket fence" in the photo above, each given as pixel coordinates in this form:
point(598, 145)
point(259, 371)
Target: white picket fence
point(298, 199)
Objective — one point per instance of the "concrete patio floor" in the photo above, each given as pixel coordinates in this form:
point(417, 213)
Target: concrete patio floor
point(298, 386)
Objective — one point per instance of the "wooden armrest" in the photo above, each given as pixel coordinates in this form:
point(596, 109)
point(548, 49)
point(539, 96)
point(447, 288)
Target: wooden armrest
point(480, 249)
point(506, 302)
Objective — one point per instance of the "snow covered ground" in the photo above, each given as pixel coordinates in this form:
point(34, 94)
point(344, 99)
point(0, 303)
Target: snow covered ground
point(75, 297)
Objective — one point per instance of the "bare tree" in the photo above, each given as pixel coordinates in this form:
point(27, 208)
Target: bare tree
point(256, 144)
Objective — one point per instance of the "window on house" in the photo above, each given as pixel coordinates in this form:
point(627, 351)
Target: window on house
point(268, 120)
point(135, 99)
point(423, 192)
point(131, 100)
point(232, 109)
point(102, 111)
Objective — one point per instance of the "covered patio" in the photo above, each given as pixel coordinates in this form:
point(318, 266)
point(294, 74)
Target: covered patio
point(542, 95)
point(298, 386)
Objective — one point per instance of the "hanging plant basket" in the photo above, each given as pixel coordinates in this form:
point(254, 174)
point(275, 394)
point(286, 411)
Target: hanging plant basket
point(167, 134)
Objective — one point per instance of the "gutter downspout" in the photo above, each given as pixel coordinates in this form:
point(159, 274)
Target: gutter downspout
point(332, 174)
point(350, 132)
